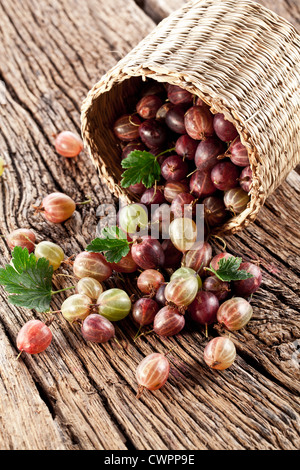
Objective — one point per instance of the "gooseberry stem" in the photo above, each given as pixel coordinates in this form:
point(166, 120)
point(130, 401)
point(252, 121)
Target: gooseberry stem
point(53, 292)
point(140, 391)
point(165, 151)
point(84, 202)
point(143, 334)
point(19, 355)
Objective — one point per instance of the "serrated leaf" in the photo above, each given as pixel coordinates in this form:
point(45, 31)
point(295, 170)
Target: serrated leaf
point(28, 280)
point(114, 244)
point(228, 270)
point(141, 167)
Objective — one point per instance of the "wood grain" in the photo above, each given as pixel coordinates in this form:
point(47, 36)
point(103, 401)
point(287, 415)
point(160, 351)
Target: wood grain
point(79, 396)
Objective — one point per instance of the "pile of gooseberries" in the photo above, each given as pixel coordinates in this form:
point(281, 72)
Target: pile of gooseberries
point(207, 164)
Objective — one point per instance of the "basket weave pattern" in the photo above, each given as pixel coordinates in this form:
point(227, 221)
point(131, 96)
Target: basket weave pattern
point(241, 59)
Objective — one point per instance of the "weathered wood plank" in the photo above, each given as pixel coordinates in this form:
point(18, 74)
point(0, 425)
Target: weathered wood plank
point(159, 9)
point(52, 53)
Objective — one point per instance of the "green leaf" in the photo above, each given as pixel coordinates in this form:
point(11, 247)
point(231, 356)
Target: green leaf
point(228, 270)
point(28, 280)
point(114, 244)
point(141, 167)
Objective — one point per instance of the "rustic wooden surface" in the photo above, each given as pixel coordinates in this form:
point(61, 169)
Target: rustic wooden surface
point(79, 396)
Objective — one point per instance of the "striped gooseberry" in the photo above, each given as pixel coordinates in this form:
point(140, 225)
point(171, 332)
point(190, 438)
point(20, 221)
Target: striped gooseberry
point(183, 233)
point(90, 287)
point(199, 257)
point(34, 337)
point(68, 144)
point(152, 372)
point(184, 272)
point(234, 313)
point(22, 237)
point(87, 264)
point(126, 128)
point(147, 253)
point(51, 251)
point(219, 353)
point(144, 311)
point(236, 200)
point(168, 321)
point(57, 207)
point(198, 122)
point(149, 281)
point(97, 329)
point(181, 291)
point(76, 307)
point(114, 304)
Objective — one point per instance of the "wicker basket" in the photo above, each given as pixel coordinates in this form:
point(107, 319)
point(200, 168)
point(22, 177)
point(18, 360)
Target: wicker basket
point(241, 59)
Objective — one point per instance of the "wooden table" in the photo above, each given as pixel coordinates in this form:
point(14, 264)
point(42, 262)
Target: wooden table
point(79, 396)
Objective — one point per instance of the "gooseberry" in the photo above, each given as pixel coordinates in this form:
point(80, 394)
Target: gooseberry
point(168, 322)
point(133, 218)
point(126, 127)
point(219, 353)
point(173, 188)
point(22, 237)
point(219, 288)
point(51, 251)
point(186, 147)
point(57, 207)
point(184, 205)
point(34, 337)
point(201, 184)
point(225, 176)
point(89, 287)
point(153, 133)
point(184, 272)
point(148, 106)
point(235, 313)
point(199, 257)
point(152, 373)
point(144, 311)
point(68, 144)
point(175, 119)
point(174, 168)
point(236, 200)
point(183, 233)
point(178, 95)
point(198, 122)
point(147, 253)
point(204, 308)
point(76, 307)
point(207, 152)
point(114, 304)
point(87, 264)
point(248, 286)
point(181, 291)
point(224, 129)
point(245, 179)
point(125, 265)
point(214, 211)
point(149, 281)
point(238, 153)
point(97, 329)
point(130, 147)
